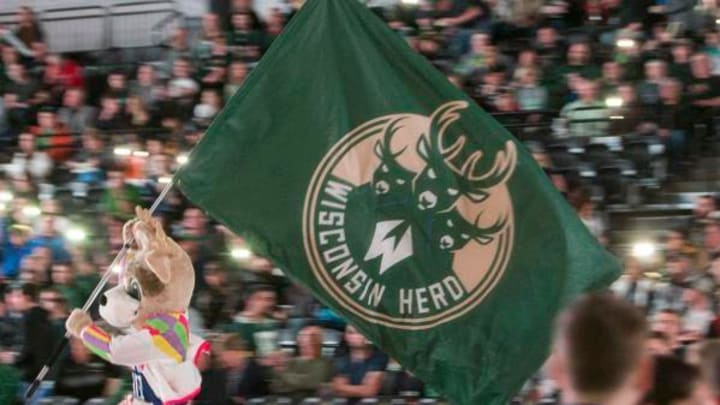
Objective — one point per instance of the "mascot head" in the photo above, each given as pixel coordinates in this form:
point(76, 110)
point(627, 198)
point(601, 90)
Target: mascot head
point(158, 276)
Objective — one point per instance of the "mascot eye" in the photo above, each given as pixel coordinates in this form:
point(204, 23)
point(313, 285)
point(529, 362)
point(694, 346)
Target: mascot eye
point(133, 290)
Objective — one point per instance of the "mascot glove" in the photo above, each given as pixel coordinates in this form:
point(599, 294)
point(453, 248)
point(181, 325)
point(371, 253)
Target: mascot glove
point(77, 321)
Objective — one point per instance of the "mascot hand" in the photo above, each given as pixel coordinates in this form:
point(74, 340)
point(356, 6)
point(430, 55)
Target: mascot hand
point(77, 321)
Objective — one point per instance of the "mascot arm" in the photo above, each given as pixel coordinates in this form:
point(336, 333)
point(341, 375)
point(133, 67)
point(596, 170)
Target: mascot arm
point(160, 339)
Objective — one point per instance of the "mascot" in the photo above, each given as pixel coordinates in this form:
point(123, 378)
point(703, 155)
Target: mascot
point(149, 305)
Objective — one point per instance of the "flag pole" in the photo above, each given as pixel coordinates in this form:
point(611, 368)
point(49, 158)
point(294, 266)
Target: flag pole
point(93, 296)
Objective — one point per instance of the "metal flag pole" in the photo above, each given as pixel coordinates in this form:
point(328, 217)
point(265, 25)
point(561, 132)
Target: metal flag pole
point(95, 293)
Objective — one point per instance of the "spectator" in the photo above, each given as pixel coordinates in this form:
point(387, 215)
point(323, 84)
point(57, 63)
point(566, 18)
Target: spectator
point(531, 95)
point(306, 374)
point(216, 300)
point(74, 113)
point(236, 77)
point(474, 59)
point(255, 323)
point(28, 29)
point(49, 237)
point(712, 240)
point(703, 94)
point(658, 344)
point(680, 66)
point(29, 160)
point(599, 356)
point(649, 89)
point(633, 286)
point(146, 86)
point(360, 371)
point(111, 118)
point(672, 122)
point(84, 376)
point(588, 115)
point(246, 41)
point(15, 248)
point(19, 83)
point(119, 199)
point(235, 378)
point(667, 321)
point(37, 330)
point(52, 135)
point(699, 315)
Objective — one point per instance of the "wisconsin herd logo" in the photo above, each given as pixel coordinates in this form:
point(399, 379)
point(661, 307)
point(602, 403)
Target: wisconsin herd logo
point(406, 223)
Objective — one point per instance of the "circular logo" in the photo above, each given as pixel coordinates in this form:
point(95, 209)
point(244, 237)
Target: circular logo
point(406, 223)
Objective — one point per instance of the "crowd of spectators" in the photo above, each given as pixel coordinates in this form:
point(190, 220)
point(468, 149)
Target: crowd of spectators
point(81, 151)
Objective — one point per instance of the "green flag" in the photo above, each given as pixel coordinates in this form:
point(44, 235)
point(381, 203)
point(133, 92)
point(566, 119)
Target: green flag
point(353, 164)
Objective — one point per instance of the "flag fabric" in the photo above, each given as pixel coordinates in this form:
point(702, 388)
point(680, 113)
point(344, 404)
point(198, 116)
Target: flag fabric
point(368, 178)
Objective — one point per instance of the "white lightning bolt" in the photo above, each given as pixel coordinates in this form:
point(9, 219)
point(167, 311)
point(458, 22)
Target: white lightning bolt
point(385, 247)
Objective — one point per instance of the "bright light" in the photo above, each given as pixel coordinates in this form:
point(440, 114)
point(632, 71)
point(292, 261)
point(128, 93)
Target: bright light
point(182, 159)
point(117, 269)
point(164, 179)
point(614, 102)
point(241, 253)
point(122, 151)
point(76, 235)
point(5, 196)
point(141, 153)
point(31, 211)
point(2, 207)
point(410, 2)
point(625, 43)
point(717, 21)
point(643, 250)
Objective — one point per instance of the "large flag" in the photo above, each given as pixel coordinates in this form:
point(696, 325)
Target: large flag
point(353, 164)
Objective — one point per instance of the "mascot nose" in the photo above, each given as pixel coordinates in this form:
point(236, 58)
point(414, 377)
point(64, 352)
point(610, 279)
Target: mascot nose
point(103, 300)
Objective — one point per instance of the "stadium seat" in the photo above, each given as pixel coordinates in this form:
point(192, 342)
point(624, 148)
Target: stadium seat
point(96, 401)
point(257, 401)
point(311, 401)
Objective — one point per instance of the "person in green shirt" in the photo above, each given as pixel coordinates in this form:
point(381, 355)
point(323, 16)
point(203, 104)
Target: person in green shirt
point(255, 323)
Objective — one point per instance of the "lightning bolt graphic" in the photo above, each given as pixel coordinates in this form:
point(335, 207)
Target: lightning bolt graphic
point(384, 245)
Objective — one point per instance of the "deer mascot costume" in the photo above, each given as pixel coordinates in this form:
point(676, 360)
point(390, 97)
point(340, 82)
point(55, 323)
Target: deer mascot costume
point(149, 304)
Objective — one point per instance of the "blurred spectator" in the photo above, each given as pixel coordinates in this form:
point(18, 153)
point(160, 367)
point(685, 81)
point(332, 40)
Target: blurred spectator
point(85, 376)
point(119, 199)
point(586, 116)
point(28, 29)
point(246, 41)
point(29, 160)
point(52, 135)
point(37, 330)
point(236, 377)
point(633, 286)
point(360, 371)
point(658, 344)
point(146, 86)
point(667, 321)
point(15, 248)
point(649, 89)
point(255, 323)
point(236, 77)
point(74, 113)
point(306, 374)
point(217, 300)
point(599, 356)
point(531, 95)
point(50, 237)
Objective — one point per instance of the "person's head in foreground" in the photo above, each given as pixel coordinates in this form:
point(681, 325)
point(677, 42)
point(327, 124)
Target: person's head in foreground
point(599, 352)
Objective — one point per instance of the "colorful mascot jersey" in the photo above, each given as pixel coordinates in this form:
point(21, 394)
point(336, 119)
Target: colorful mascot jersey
point(162, 355)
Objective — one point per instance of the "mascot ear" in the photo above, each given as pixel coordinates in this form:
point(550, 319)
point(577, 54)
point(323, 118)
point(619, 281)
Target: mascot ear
point(159, 263)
